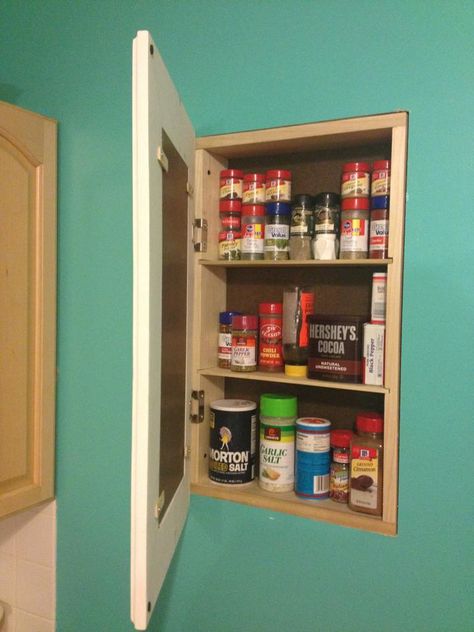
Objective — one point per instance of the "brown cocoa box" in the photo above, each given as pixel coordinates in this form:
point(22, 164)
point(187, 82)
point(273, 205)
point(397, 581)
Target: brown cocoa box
point(335, 348)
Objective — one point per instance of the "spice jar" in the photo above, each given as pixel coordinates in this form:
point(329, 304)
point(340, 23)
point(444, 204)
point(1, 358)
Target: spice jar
point(270, 356)
point(253, 229)
point(224, 349)
point(253, 188)
point(339, 473)
point(380, 178)
point(229, 245)
point(244, 343)
point(298, 303)
point(366, 486)
point(379, 225)
point(278, 185)
point(277, 230)
point(229, 213)
point(301, 228)
point(325, 244)
point(354, 228)
point(277, 442)
point(230, 187)
point(355, 180)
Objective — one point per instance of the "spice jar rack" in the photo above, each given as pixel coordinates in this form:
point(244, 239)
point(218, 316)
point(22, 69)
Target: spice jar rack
point(315, 154)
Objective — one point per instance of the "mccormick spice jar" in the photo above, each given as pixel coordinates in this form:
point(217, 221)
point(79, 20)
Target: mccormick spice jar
point(253, 229)
point(379, 220)
point(339, 475)
point(366, 486)
point(335, 348)
point(354, 228)
point(277, 231)
point(253, 188)
point(278, 185)
point(224, 349)
point(244, 343)
point(277, 442)
point(229, 213)
point(229, 245)
point(270, 356)
point(230, 187)
point(380, 178)
point(355, 181)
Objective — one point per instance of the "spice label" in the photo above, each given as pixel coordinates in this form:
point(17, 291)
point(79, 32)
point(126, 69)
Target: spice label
point(339, 483)
point(277, 190)
point(354, 235)
point(252, 238)
point(253, 193)
point(230, 189)
point(229, 249)
point(374, 347)
point(378, 234)
point(232, 447)
point(355, 184)
point(364, 477)
point(224, 348)
point(276, 237)
point(277, 455)
point(313, 441)
point(270, 347)
point(380, 183)
point(244, 351)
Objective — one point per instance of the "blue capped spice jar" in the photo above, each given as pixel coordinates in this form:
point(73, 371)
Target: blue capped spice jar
point(277, 231)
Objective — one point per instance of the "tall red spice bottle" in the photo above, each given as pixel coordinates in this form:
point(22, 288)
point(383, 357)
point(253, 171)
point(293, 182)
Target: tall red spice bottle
point(270, 357)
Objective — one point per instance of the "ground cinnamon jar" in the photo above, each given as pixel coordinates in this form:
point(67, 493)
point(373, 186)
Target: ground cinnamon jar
point(270, 357)
point(366, 486)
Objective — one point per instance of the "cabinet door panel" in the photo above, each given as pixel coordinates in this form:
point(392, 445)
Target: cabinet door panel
point(27, 307)
point(163, 172)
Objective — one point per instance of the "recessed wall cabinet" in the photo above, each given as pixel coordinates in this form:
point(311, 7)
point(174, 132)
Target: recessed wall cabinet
point(180, 287)
point(27, 307)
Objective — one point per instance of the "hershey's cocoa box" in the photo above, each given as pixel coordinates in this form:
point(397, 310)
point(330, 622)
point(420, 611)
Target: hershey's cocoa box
point(374, 354)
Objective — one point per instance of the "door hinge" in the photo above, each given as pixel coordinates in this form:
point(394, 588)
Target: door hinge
point(162, 158)
point(160, 503)
point(198, 418)
point(200, 224)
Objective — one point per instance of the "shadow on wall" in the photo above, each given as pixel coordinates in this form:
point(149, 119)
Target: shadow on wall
point(9, 93)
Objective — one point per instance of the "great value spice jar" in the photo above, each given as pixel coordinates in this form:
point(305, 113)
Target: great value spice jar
point(253, 230)
point(230, 186)
point(224, 348)
point(354, 228)
point(277, 231)
point(253, 188)
point(355, 181)
point(278, 185)
point(244, 343)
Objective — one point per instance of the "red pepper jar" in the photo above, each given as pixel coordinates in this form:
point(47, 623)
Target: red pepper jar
point(270, 356)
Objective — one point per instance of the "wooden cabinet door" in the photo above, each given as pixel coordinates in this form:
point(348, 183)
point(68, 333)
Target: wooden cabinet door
point(27, 307)
point(163, 174)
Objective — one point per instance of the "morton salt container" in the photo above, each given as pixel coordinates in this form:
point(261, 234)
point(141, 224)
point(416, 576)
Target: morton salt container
point(335, 348)
point(313, 444)
point(232, 440)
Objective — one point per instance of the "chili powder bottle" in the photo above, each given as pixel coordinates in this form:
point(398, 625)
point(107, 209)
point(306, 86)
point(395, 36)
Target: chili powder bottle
point(270, 357)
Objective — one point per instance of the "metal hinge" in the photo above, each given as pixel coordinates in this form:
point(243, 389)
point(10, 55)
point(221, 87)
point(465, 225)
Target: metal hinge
point(162, 158)
point(198, 418)
point(200, 245)
point(160, 503)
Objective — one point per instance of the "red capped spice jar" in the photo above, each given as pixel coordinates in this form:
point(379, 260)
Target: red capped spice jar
point(244, 343)
point(355, 181)
point(339, 473)
point(230, 212)
point(354, 228)
point(278, 185)
point(366, 484)
point(253, 188)
point(270, 357)
point(380, 178)
point(230, 187)
point(253, 231)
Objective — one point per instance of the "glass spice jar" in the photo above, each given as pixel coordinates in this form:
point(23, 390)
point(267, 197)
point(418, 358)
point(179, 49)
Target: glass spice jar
point(229, 245)
point(355, 180)
point(277, 231)
point(354, 228)
point(325, 243)
point(229, 213)
point(253, 228)
point(301, 227)
point(278, 185)
point(230, 184)
point(224, 348)
point(253, 188)
point(379, 226)
point(339, 472)
point(244, 343)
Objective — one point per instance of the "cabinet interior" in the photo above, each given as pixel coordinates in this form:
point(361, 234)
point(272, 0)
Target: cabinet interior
point(315, 161)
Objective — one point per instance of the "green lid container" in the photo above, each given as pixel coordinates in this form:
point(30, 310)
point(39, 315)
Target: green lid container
point(272, 405)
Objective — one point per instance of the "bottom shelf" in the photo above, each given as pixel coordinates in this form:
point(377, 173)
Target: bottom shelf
point(288, 502)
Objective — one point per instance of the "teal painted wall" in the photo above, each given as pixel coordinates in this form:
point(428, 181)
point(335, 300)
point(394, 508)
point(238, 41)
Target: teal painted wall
point(245, 65)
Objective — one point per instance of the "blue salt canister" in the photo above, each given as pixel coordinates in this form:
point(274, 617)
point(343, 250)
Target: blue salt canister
point(313, 446)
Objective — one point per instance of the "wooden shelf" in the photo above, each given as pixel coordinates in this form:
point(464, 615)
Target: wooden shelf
point(281, 378)
point(288, 502)
point(352, 263)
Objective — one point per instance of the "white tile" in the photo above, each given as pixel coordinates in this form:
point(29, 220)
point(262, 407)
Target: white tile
point(35, 589)
point(7, 535)
point(26, 622)
point(7, 579)
point(35, 537)
point(9, 622)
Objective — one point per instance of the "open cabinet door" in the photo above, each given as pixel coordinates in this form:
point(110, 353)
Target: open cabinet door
point(163, 173)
